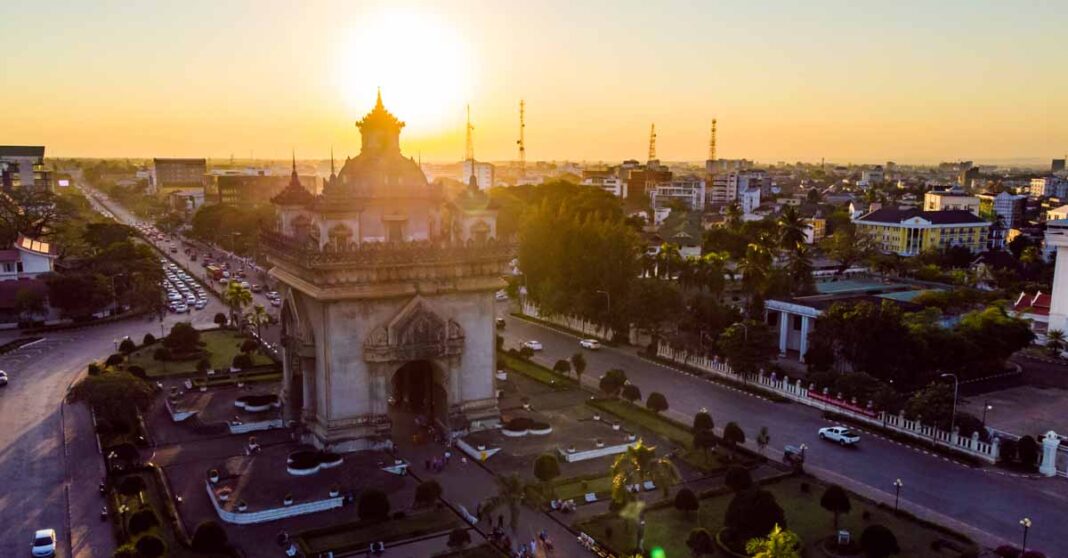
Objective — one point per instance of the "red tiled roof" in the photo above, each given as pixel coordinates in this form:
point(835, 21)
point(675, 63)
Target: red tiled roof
point(1037, 303)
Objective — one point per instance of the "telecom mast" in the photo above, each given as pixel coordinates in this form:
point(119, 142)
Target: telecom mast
point(522, 143)
point(469, 149)
point(652, 143)
point(712, 142)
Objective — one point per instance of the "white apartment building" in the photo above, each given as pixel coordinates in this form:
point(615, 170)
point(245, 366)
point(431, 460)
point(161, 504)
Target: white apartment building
point(749, 200)
point(607, 180)
point(688, 189)
point(953, 198)
point(1049, 186)
point(871, 176)
point(727, 186)
point(483, 173)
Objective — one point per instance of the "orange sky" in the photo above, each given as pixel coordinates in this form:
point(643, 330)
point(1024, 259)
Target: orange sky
point(856, 82)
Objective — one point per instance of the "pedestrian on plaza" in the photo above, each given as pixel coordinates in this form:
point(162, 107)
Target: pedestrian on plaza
point(448, 455)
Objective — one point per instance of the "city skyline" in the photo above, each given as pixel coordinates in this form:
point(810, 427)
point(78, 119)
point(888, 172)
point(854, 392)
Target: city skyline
point(849, 83)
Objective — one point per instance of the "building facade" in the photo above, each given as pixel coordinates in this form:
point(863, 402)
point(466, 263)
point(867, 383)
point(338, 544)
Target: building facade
point(483, 173)
point(22, 166)
point(388, 310)
point(953, 198)
point(251, 190)
point(690, 190)
point(1010, 208)
point(911, 232)
point(607, 180)
point(178, 173)
point(1049, 186)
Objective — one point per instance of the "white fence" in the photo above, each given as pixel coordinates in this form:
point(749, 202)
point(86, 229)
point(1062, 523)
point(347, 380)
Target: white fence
point(585, 327)
point(795, 391)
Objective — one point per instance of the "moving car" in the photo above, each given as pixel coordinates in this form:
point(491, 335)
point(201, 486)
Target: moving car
point(532, 345)
point(591, 344)
point(44, 543)
point(500, 323)
point(501, 296)
point(3, 378)
point(840, 434)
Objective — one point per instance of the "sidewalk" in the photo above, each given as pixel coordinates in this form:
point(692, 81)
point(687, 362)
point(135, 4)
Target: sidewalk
point(89, 536)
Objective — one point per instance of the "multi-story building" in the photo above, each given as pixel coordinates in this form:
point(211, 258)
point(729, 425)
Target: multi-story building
point(720, 166)
point(690, 190)
point(483, 173)
point(1049, 186)
point(250, 190)
point(727, 187)
point(22, 166)
point(749, 200)
point(641, 180)
point(909, 232)
point(1009, 207)
point(815, 229)
point(952, 198)
point(871, 176)
point(178, 173)
point(967, 176)
point(1057, 166)
point(607, 180)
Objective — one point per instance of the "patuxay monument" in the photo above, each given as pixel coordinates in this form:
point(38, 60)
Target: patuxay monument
point(388, 306)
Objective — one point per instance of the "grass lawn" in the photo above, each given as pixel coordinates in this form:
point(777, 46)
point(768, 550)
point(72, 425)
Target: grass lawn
point(357, 536)
point(669, 429)
point(668, 528)
point(535, 371)
point(223, 344)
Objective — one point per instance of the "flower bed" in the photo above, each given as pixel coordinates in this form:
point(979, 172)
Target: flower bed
point(522, 426)
point(257, 403)
point(308, 462)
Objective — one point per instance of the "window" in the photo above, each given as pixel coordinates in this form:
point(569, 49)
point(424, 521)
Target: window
point(394, 231)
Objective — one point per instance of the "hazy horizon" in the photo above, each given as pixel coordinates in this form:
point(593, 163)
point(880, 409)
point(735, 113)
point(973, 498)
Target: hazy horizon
point(851, 82)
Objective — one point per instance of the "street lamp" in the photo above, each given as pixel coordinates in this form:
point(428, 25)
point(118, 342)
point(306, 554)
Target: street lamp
point(953, 417)
point(986, 407)
point(897, 492)
point(1026, 523)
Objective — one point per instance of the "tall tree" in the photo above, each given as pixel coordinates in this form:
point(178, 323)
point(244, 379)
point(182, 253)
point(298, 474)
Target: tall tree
point(848, 246)
point(791, 229)
point(748, 346)
point(836, 501)
point(779, 543)
point(636, 466)
point(510, 495)
point(236, 298)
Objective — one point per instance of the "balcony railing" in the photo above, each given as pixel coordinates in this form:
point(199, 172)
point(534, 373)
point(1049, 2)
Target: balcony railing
point(308, 254)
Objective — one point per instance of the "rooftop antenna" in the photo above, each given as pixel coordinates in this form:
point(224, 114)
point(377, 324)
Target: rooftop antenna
point(712, 142)
point(469, 148)
point(652, 142)
point(522, 141)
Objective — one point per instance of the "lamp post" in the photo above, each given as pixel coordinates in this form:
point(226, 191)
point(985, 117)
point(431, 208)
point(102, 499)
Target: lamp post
point(986, 407)
point(897, 492)
point(953, 416)
point(1026, 524)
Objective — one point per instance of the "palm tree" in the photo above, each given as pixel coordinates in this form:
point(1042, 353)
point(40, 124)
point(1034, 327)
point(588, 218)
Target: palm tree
point(780, 543)
point(799, 266)
point(258, 317)
point(755, 268)
point(236, 297)
point(670, 258)
point(709, 271)
point(763, 439)
point(637, 465)
point(1055, 341)
point(510, 494)
point(791, 229)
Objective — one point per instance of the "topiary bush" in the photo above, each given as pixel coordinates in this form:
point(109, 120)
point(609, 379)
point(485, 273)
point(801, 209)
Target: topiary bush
point(127, 346)
point(249, 345)
point(94, 369)
point(209, 537)
point(518, 424)
point(142, 520)
point(131, 485)
point(242, 361)
point(150, 546)
point(114, 360)
point(148, 339)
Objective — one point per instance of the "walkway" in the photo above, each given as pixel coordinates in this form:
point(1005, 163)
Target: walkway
point(90, 537)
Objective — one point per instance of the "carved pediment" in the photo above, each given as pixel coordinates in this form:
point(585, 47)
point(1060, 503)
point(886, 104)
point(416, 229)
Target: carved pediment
point(417, 332)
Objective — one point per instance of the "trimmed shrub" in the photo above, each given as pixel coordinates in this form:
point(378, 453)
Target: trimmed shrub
point(137, 371)
point(114, 360)
point(657, 403)
point(427, 492)
point(753, 513)
point(94, 369)
point(131, 485)
point(127, 346)
point(686, 501)
point(373, 505)
point(220, 319)
point(700, 542)
point(209, 537)
point(148, 339)
point(249, 345)
point(546, 467)
point(878, 541)
point(150, 546)
point(702, 421)
point(519, 423)
point(142, 521)
point(242, 361)
point(738, 478)
point(630, 392)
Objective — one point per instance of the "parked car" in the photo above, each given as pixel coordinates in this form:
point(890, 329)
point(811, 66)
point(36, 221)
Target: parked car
point(591, 344)
point(3, 378)
point(501, 296)
point(276, 302)
point(500, 323)
point(256, 287)
point(532, 345)
point(840, 434)
point(44, 543)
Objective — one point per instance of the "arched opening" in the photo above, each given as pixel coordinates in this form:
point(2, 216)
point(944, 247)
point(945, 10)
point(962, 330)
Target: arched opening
point(418, 399)
point(294, 373)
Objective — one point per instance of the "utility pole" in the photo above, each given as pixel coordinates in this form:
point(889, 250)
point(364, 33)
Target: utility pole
point(469, 147)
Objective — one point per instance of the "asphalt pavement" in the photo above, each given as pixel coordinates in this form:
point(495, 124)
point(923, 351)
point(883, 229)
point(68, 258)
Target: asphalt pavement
point(986, 503)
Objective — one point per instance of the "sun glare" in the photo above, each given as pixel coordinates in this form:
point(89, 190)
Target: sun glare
point(422, 64)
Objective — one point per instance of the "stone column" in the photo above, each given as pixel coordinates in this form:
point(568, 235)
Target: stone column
point(784, 331)
point(1050, 443)
point(806, 325)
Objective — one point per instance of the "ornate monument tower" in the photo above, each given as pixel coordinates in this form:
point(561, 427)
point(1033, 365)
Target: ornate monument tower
point(388, 307)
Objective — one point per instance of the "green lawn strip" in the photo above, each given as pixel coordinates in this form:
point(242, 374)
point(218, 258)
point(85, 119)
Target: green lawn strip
point(357, 536)
point(668, 528)
point(222, 344)
point(246, 377)
point(535, 371)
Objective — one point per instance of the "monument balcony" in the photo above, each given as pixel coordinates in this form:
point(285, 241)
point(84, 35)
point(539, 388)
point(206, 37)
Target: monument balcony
point(370, 263)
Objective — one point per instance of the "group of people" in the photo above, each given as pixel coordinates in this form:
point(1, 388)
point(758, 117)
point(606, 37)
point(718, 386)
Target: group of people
point(537, 547)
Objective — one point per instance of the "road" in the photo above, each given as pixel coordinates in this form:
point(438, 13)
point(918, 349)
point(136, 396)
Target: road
point(987, 504)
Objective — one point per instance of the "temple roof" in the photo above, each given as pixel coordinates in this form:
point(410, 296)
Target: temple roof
point(294, 193)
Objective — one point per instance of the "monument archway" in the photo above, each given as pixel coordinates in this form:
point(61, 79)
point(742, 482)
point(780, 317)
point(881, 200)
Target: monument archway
point(418, 397)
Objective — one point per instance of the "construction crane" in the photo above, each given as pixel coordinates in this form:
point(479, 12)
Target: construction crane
point(522, 143)
point(469, 149)
point(712, 142)
point(652, 143)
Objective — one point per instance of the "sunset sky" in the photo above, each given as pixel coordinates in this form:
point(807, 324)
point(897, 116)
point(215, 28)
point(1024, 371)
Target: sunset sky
point(852, 80)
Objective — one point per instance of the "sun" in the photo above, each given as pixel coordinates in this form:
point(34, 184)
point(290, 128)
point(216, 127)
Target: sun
point(422, 64)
